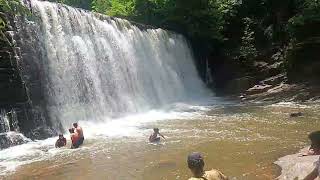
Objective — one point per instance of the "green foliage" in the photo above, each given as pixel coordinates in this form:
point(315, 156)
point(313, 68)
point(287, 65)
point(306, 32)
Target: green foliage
point(84, 4)
point(306, 23)
point(236, 28)
point(101, 6)
point(247, 49)
point(13, 7)
point(121, 8)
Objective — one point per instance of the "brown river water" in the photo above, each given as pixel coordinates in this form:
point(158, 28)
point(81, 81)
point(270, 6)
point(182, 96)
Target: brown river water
point(242, 141)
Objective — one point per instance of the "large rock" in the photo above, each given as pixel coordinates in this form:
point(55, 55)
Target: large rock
point(12, 139)
point(303, 61)
point(240, 84)
point(41, 133)
point(296, 167)
point(259, 89)
point(275, 80)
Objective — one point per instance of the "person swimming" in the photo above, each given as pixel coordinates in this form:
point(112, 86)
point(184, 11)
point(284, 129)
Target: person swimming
point(79, 130)
point(196, 165)
point(74, 139)
point(154, 136)
point(62, 141)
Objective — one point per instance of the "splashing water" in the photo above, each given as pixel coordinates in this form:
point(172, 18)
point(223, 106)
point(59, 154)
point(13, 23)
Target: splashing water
point(94, 67)
point(107, 73)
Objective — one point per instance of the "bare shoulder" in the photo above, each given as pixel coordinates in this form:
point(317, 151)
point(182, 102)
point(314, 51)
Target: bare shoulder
point(215, 175)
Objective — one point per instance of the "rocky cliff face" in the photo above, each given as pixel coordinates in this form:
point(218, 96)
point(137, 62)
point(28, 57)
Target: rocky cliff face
point(15, 102)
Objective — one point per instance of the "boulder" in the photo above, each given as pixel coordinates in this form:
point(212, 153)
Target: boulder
point(259, 89)
point(296, 114)
point(12, 139)
point(240, 84)
point(275, 80)
point(41, 133)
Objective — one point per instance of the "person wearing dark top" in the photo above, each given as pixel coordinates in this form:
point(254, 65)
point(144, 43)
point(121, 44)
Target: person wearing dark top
point(62, 141)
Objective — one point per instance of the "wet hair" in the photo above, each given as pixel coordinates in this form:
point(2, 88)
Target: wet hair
point(60, 135)
point(75, 124)
point(156, 129)
point(195, 161)
point(71, 130)
point(315, 138)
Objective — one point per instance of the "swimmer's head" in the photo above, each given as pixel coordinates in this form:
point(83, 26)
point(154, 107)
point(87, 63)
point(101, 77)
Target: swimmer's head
point(156, 129)
point(195, 163)
point(75, 125)
point(60, 136)
point(71, 130)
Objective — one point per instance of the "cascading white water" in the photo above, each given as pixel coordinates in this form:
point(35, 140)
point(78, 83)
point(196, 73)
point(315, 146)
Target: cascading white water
point(97, 67)
point(4, 122)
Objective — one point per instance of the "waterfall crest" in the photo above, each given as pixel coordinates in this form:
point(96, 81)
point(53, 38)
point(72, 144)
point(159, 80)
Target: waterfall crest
point(90, 67)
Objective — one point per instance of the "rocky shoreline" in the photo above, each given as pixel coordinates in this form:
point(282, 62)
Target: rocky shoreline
point(295, 167)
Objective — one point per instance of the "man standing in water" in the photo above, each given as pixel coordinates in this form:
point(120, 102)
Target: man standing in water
point(154, 136)
point(79, 131)
point(196, 165)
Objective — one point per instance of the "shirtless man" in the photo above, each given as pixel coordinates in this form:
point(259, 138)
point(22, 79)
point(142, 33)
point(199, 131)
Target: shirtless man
point(74, 139)
point(196, 165)
point(79, 130)
point(154, 136)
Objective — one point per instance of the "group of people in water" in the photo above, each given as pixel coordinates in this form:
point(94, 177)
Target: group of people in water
point(76, 136)
point(196, 163)
point(195, 160)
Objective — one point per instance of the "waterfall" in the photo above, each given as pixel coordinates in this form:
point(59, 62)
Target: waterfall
point(4, 122)
point(87, 66)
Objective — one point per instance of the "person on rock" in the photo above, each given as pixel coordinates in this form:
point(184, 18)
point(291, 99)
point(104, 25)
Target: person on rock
point(196, 165)
point(314, 150)
point(79, 130)
point(62, 141)
point(315, 144)
point(74, 138)
point(154, 136)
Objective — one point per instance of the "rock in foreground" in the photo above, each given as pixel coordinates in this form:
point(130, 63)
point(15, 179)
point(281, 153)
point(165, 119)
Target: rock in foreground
point(295, 167)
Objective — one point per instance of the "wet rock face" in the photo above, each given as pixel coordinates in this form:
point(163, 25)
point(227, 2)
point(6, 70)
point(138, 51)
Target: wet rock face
point(41, 133)
point(11, 139)
point(14, 96)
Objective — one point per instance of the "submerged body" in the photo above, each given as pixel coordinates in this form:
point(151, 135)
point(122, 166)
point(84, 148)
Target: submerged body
point(154, 138)
point(62, 141)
